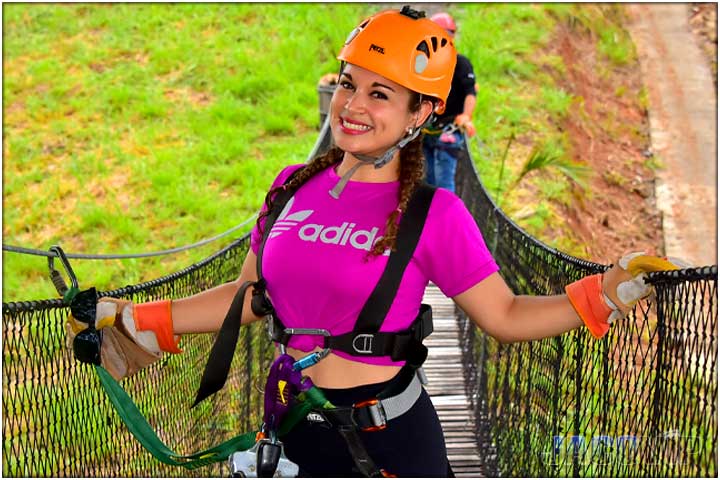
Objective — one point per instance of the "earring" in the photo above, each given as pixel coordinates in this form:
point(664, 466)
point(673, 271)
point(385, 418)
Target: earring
point(409, 130)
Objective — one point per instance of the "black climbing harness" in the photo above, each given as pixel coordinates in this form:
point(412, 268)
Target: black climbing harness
point(364, 340)
point(260, 454)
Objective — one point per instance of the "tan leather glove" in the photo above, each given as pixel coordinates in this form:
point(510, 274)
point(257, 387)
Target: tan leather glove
point(603, 298)
point(133, 336)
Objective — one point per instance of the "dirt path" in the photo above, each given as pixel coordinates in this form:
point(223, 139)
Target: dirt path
point(683, 124)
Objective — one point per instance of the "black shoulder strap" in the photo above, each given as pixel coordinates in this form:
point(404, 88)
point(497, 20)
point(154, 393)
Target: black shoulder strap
point(378, 305)
point(223, 350)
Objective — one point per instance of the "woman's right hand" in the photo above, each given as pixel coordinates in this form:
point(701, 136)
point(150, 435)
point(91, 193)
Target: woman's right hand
point(133, 336)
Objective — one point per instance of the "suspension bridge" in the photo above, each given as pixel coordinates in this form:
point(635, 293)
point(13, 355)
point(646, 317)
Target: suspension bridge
point(641, 402)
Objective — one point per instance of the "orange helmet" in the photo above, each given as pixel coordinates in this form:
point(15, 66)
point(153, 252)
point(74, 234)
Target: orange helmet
point(445, 21)
point(406, 48)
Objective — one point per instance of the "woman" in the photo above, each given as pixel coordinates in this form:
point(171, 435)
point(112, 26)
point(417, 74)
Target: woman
point(327, 250)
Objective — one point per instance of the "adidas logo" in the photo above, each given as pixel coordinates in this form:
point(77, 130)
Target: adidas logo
point(286, 221)
point(333, 235)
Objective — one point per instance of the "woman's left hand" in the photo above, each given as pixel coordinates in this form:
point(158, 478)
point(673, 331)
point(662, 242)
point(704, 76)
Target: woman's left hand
point(603, 298)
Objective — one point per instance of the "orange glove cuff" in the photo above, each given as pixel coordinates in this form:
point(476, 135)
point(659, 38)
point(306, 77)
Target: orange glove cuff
point(157, 316)
point(586, 297)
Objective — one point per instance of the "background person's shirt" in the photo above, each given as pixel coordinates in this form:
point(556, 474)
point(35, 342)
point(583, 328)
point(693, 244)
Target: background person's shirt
point(463, 84)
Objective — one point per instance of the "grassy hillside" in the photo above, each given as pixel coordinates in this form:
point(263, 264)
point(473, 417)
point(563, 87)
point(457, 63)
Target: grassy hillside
point(138, 127)
point(132, 128)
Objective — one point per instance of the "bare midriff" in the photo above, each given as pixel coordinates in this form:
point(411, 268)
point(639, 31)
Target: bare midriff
point(337, 372)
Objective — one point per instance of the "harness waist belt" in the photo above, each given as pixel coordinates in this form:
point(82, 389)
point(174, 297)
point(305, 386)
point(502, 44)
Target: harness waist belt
point(399, 346)
point(371, 415)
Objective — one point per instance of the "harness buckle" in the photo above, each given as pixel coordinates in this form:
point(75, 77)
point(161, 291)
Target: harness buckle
point(270, 326)
point(375, 415)
point(307, 331)
point(366, 343)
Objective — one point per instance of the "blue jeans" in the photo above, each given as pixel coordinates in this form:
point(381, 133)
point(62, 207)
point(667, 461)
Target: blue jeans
point(441, 159)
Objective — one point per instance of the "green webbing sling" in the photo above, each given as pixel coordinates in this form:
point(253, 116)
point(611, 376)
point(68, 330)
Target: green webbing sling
point(135, 421)
point(143, 432)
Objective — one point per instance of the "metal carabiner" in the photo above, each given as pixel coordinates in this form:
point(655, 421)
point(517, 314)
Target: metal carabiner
point(57, 279)
point(312, 358)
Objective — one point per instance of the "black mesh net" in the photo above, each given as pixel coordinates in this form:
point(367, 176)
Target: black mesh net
point(641, 402)
point(57, 420)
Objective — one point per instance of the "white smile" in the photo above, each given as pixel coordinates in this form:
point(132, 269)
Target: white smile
point(355, 126)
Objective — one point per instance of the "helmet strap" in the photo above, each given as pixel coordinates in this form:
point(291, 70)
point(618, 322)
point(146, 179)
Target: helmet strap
point(377, 162)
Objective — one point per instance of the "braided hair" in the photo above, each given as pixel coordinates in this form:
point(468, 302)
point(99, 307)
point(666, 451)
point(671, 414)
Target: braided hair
point(412, 172)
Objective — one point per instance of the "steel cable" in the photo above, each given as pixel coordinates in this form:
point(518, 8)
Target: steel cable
point(112, 256)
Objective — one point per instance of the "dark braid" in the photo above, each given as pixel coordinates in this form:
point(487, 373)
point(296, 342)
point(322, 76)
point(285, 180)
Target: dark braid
point(412, 172)
point(319, 163)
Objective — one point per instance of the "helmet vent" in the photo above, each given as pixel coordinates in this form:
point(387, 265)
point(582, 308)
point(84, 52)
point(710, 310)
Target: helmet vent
point(352, 35)
point(356, 30)
point(423, 47)
point(434, 43)
point(443, 42)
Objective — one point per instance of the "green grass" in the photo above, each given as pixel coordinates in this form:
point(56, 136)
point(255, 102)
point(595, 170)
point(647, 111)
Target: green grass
point(138, 127)
point(133, 128)
point(519, 99)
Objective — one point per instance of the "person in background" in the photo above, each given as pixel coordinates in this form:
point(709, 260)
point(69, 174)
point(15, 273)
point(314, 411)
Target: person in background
point(444, 139)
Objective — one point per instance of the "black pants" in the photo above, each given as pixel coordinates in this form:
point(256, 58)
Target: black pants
point(412, 445)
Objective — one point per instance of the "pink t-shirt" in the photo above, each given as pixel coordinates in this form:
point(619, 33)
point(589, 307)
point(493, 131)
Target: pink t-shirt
point(318, 270)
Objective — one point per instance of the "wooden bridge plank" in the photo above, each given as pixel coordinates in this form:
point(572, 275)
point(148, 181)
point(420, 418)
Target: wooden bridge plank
point(446, 386)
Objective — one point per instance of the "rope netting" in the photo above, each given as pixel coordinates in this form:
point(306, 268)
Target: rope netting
point(642, 402)
point(57, 420)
